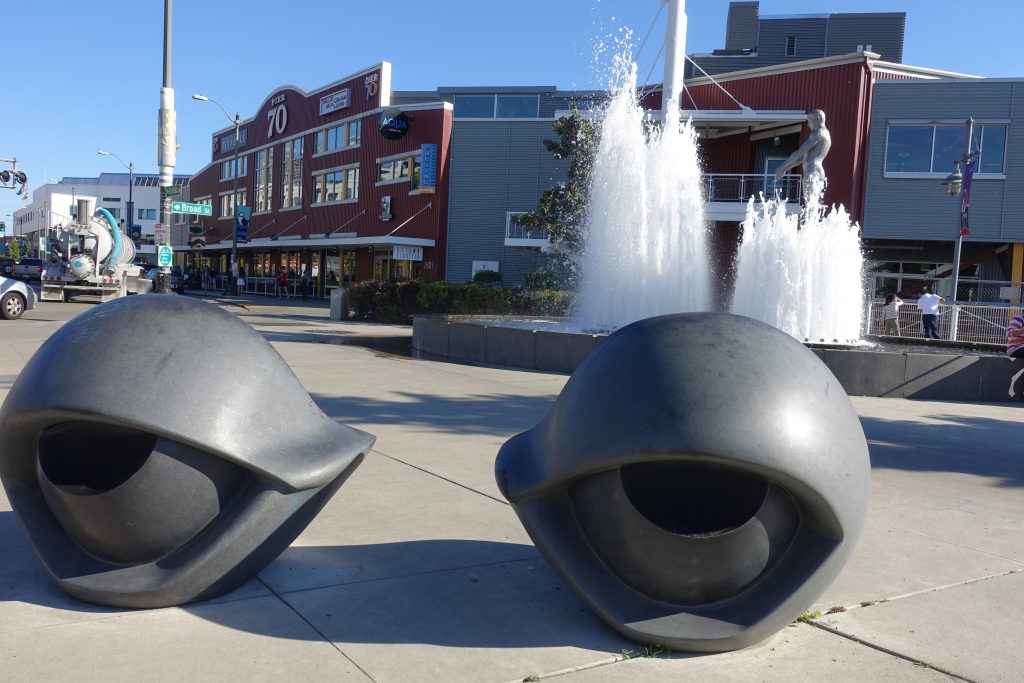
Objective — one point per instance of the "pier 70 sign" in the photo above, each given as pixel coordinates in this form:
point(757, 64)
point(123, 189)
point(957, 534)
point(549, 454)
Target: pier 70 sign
point(192, 209)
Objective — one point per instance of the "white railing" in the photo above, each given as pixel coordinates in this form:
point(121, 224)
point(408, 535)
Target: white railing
point(981, 324)
point(739, 187)
point(515, 231)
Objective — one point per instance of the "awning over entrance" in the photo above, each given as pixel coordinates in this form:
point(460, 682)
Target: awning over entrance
point(380, 242)
point(717, 124)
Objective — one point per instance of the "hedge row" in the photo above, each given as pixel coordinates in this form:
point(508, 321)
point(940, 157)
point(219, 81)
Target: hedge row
point(397, 302)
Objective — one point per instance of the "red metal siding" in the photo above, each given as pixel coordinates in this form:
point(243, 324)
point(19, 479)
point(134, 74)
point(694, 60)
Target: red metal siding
point(426, 125)
point(841, 91)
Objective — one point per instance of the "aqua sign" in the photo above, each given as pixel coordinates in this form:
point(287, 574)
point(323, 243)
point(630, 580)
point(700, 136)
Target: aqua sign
point(164, 256)
point(192, 209)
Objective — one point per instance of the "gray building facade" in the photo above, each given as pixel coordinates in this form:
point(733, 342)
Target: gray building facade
point(754, 41)
point(918, 130)
point(500, 168)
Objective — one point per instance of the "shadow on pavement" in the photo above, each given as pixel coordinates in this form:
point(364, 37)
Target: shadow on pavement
point(949, 443)
point(497, 414)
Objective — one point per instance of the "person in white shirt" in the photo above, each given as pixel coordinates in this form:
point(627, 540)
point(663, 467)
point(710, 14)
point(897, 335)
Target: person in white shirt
point(929, 305)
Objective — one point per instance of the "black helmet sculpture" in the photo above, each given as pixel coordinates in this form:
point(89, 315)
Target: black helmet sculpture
point(700, 481)
point(158, 451)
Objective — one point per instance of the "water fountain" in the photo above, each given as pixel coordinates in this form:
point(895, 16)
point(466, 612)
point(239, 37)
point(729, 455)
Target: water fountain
point(646, 255)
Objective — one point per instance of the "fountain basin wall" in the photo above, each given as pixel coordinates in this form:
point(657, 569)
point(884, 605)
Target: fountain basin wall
point(934, 375)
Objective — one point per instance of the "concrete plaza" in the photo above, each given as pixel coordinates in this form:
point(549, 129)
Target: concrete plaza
point(419, 570)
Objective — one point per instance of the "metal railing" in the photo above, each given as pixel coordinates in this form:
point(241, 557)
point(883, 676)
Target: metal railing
point(739, 187)
point(974, 323)
point(515, 231)
point(969, 290)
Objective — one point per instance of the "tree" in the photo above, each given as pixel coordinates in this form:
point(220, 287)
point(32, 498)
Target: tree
point(562, 210)
point(14, 249)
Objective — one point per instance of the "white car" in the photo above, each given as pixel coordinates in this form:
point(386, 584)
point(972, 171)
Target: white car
point(15, 298)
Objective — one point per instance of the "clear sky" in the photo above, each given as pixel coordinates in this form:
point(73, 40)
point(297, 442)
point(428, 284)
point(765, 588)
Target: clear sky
point(77, 77)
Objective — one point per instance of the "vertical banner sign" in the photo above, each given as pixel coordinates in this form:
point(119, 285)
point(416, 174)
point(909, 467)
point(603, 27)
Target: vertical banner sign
point(428, 169)
point(965, 195)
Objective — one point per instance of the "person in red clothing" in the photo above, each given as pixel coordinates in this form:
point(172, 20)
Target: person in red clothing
point(1015, 337)
point(282, 283)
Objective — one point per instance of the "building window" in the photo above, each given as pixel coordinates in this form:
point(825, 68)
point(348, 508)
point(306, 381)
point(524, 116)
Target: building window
point(497, 106)
point(935, 148)
point(474, 106)
point(336, 186)
point(398, 169)
point(227, 206)
point(227, 168)
point(146, 214)
point(112, 200)
point(264, 178)
point(790, 46)
point(291, 174)
point(515, 231)
point(518, 106)
point(342, 136)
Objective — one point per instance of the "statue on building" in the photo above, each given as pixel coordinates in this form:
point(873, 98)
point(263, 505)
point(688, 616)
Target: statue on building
point(811, 154)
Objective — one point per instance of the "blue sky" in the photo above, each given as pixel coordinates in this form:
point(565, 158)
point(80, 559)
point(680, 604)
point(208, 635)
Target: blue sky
point(79, 77)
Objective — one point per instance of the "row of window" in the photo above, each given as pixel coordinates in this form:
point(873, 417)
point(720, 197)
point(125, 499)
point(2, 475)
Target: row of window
point(497, 106)
point(934, 148)
point(227, 168)
point(342, 136)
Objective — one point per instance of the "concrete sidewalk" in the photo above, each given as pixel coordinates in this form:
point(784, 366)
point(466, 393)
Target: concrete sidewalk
point(419, 570)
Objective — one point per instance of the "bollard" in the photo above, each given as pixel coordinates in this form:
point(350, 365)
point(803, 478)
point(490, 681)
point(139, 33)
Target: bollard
point(339, 303)
point(177, 489)
point(701, 479)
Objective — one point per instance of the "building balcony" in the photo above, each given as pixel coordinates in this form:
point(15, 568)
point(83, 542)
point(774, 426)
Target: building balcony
point(727, 194)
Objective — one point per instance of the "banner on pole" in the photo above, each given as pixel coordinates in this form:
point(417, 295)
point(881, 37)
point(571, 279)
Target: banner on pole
point(965, 196)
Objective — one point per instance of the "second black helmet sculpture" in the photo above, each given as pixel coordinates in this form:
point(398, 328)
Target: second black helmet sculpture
point(700, 481)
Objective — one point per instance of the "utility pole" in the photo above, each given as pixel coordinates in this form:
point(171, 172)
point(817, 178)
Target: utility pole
point(166, 153)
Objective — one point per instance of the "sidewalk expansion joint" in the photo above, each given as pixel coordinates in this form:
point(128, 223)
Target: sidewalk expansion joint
point(888, 651)
point(323, 635)
point(435, 474)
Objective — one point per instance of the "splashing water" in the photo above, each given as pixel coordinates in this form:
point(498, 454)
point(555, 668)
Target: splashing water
point(645, 252)
point(803, 277)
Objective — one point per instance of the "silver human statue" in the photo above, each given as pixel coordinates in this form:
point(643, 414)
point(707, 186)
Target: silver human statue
point(811, 154)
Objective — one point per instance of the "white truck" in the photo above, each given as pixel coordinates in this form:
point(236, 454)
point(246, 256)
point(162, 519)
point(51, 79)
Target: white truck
point(93, 257)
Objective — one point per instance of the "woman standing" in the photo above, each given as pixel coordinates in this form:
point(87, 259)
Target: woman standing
point(892, 315)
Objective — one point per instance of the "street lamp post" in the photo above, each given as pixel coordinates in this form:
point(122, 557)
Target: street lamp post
point(954, 183)
point(131, 184)
point(237, 121)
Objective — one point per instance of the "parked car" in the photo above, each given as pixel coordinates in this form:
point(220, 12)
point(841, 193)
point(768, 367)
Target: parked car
point(29, 269)
point(15, 298)
point(177, 279)
point(7, 267)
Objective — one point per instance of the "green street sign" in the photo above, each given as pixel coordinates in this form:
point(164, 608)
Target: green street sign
point(173, 190)
point(192, 209)
point(164, 256)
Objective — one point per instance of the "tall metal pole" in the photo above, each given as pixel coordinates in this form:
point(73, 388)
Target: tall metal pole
point(955, 317)
point(675, 54)
point(131, 204)
point(166, 146)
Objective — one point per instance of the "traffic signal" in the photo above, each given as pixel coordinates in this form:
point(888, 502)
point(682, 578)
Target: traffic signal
point(3, 228)
point(242, 216)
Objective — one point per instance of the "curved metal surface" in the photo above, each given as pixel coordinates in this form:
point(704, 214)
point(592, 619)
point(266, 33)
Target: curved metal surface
point(703, 393)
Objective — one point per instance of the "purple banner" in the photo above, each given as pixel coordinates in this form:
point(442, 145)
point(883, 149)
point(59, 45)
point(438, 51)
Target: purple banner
point(965, 195)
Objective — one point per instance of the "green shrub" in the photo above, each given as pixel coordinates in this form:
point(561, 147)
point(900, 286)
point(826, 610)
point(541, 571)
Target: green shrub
point(486, 276)
point(397, 302)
